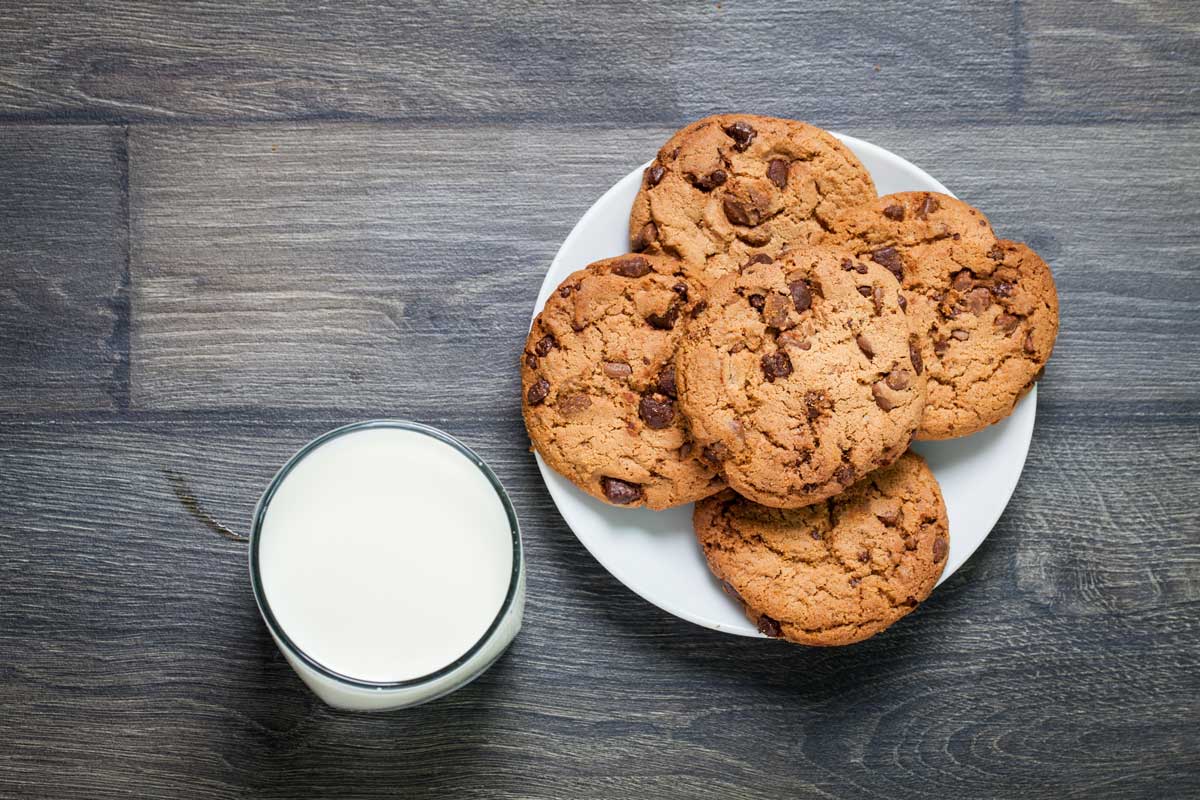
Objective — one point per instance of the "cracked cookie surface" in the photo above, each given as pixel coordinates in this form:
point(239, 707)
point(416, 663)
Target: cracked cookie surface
point(798, 375)
point(598, 388)
point(986, 308)
point(836, 572)
point(732, 185)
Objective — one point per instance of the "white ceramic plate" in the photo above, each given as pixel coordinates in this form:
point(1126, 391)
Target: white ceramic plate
point(655, 554)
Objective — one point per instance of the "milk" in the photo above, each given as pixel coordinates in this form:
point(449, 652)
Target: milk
point(387, 566)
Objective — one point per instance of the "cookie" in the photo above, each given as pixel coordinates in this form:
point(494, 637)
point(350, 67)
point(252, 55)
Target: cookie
point(733, 185)
point(986, 309)
point(837, 572)
point(799, 374)
point(598, 385)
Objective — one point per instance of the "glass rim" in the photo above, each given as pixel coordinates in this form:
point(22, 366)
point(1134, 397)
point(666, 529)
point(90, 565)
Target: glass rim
point(260, 596)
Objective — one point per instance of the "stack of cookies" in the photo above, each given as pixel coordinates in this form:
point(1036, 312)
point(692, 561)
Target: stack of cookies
point(775, 341)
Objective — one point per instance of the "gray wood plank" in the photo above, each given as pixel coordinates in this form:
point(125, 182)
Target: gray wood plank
point(601, 62)
point(64, 294)
point(1084, 60)
point(365, 265)
point(1062, 660)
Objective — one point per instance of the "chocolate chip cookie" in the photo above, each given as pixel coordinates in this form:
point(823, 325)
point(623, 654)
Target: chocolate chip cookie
point(598, 385)
point(986, 309)
point(799, 375)
point(729, 186)
point(837, 572)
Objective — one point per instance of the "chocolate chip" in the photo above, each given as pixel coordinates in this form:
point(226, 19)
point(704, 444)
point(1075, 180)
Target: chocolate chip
point(1028, 346)
point(666, 382)
point(620, 492)
point(573, 404)
point(956, 236)
point(914, 355)
point(665, 321)
point(815, 404)
point(940, 347)
point(1006, 322)
point(894, 211)
point(775, 312)
point(902, 302)
point(864, 557)
point(776, 365)
point(732, 592)
point(898, 379)
point(801, 295)
point(927, 207)
point(865, 345)
point(769, 627)
point(855, 581)
point(706, 183)
point(655, 412)
point(742, 135)
point(758, 258)
point(978, 300)
point(865, 291)
point(537, 393)
point(889, 258)
point(881, 398)
point(983, 223)
point(777, 172)
point(715, 454)
point(681, 289)
point(617, 369)
point(1002, 289)
point(756, 301)
point(545, 344)
point(685, 450)
point(531, 361)
point(631, 267)
point(996, 253)
point(647, 236)
point(844, 474)
point(961, 335)
point(564, 291)
point(889, 516)
point(815, 534)
point(847, 265)
point(940, 548)
point(963, 280)
point(698, 308)
point(739, 214)
point(654, 174)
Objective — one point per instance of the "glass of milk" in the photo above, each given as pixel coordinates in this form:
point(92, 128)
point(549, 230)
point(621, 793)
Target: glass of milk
point(386, 560)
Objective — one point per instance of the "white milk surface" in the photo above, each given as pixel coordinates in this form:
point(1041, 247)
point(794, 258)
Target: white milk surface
point(385, 554)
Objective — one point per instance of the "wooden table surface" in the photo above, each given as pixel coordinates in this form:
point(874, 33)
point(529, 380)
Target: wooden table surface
point(225, 229)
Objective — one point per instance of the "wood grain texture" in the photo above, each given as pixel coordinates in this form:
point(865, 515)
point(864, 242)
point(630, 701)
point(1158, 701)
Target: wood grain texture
point(337, 265)
point(297, 216)
point(597, 62)
point(1061, 660)
point(64, 291)
point(1093, 61)
point(834, 62)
